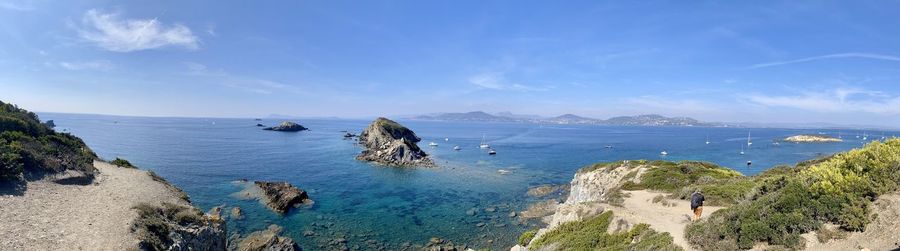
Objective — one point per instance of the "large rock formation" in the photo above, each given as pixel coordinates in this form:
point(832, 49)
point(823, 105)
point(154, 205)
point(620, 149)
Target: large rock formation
point(286, 126)
point(267, 240)
point(281, 196)
point(390, 143)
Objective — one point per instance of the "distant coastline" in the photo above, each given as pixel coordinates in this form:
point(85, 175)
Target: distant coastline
point(569, 119)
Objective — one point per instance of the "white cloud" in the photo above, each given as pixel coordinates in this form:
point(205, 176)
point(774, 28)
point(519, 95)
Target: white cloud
point(111, 32)
point(839, 100)
point(497, 81)
point(829, 56)
point(101, 65)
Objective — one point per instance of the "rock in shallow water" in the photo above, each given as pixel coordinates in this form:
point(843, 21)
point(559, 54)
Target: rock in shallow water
point(281, 196)
point(267, 240)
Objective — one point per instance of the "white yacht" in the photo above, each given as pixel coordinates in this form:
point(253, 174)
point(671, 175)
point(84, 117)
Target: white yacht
point(664, 153)
point(457, 148)
point(433, 144)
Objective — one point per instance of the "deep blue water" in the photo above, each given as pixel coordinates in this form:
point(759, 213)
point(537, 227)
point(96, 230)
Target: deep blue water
point(362, 202)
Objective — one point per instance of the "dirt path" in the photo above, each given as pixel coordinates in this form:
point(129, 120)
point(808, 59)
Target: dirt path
point(639, 208)
point(98, 216)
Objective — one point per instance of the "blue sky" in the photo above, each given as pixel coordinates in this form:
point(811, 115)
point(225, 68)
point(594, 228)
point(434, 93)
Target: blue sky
point(786, 61)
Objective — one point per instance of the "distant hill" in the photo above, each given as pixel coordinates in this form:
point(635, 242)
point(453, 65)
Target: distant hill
point(571, 119)
point(478, 116)
point(654, 120)
point(640, 120)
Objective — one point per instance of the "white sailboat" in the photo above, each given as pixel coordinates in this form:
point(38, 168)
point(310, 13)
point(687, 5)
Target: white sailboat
point(483, 144)
point(742, 149)
point(664, 153)
point(707, 139)
point(748, 140)
point(433, 144)
point(457, 148)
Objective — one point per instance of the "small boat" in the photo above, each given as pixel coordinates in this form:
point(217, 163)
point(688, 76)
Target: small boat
point(742, 149)
point(749, 163)
point(503, 171)
point(457, 148)
point(258, 119)
point(483, 144)
point(446, 139)
point(607, 146)
point(432, 144)
point(664, 153)
point(748, 139)
point(492, 152)
point(707, 139)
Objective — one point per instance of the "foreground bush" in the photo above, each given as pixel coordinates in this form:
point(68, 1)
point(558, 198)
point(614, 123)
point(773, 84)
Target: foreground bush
point(31, 149)
point(591, 234)
point(786, 203)
point(122, 163)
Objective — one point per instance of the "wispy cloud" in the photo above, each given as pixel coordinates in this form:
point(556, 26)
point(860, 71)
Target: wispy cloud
point(829, 56)
point(250, 84)
point(112, 32)
point(17, 5)
point(839, 100)
point(655, 104)
point(101, 65)
point(498, 81)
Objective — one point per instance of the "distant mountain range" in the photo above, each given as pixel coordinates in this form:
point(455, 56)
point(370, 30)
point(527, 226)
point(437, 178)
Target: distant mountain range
point(640, 120)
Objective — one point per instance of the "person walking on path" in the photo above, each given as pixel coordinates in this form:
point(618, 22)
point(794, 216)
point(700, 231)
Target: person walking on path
point(697, 204)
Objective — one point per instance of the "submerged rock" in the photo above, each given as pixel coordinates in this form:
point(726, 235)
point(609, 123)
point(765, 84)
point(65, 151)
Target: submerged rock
point(287, 126)
point(236, 213)
point(389, 143)
point(267, 240)
point(281, 196)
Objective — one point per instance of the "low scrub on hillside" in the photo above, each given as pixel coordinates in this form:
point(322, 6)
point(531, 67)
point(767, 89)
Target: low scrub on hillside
point(30, 149)
point(122, 163)
point(155, 223)
point(786, 202)
point(591, 234)
point(722, 186)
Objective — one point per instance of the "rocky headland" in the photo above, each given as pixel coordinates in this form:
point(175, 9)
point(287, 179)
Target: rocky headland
point(389, 143)
point(809, 138)
point(286, 126)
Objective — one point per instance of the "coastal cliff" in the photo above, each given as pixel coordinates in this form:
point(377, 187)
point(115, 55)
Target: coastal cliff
point(389, 143)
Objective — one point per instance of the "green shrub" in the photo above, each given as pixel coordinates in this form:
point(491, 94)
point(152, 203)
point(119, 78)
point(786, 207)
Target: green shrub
point(31, 149)
point(787, 202)
point(591, 234)
point(122, 163)
point(526, 237)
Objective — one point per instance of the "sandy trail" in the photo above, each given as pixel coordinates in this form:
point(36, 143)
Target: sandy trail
point(639, 208)
point(50, 216)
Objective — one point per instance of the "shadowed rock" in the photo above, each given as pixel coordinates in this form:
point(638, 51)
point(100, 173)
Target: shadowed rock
point(389, 143)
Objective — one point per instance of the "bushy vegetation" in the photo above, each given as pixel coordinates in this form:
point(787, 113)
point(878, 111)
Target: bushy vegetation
point(591, 234)
point(154, 223)
point(720, 185)
point(785, 202)
point(31, 149)
point(526, 237)
point(122, 163)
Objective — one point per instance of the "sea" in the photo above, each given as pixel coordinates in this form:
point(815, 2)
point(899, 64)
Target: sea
point(467, 199)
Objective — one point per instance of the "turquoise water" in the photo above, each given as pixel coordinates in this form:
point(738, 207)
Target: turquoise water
point(378, 207)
